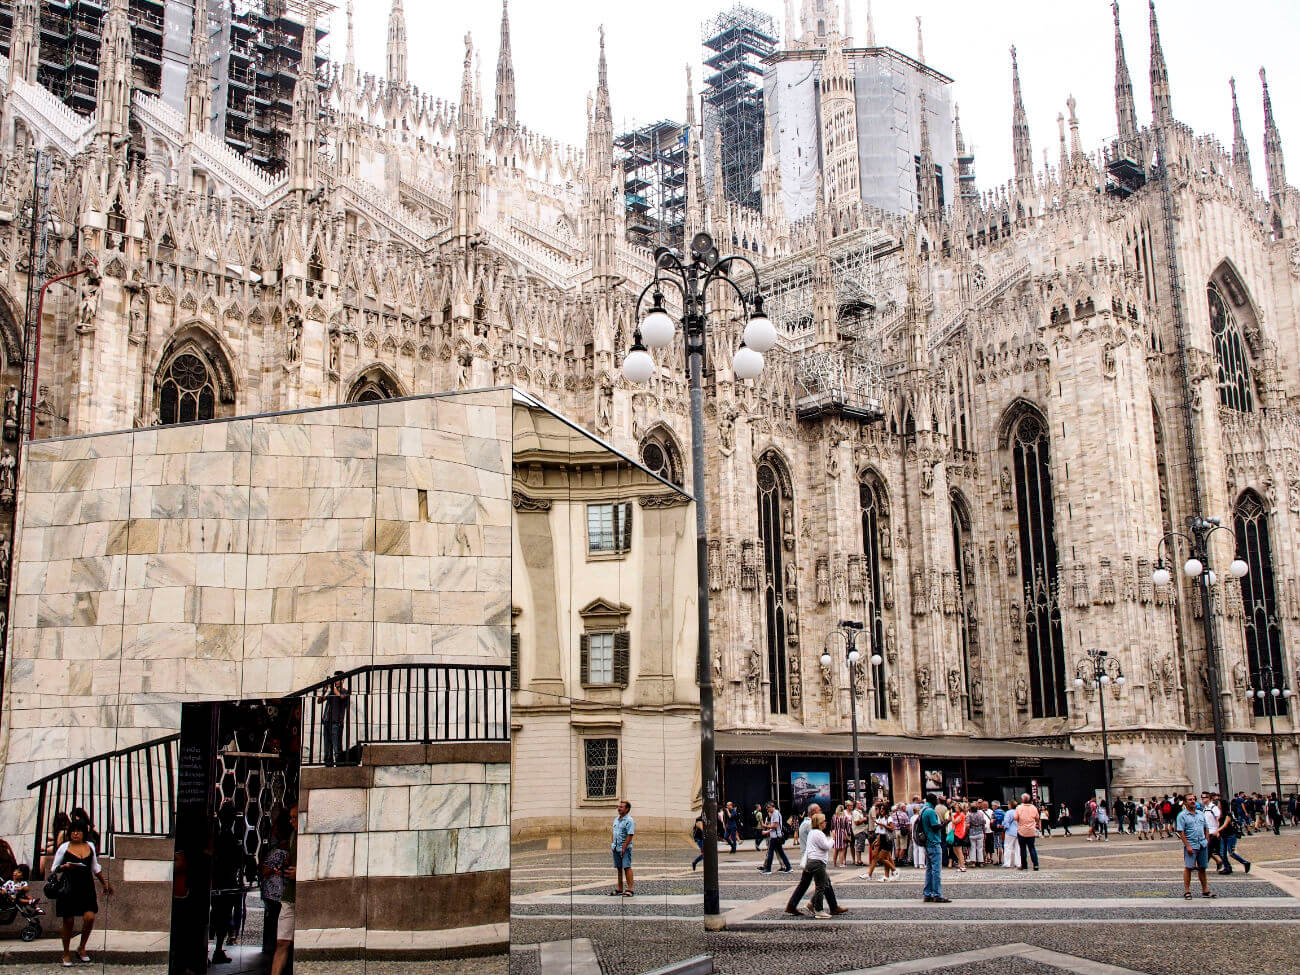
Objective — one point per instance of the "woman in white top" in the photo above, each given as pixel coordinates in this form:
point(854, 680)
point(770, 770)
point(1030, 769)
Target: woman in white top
point(820, 847)
point(1011, 846)
point(882, 846)
point(918, 850)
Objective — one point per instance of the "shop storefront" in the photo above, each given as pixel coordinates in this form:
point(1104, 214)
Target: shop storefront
point(798, 768)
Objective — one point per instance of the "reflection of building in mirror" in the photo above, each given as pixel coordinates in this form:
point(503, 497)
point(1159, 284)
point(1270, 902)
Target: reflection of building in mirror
point(603, 633)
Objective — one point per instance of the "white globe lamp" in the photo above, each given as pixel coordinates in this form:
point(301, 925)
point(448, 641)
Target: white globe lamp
point(658, 328)
point(638, 367)
point(760, 333)
point(1238, 568)
point(876, 659)
point(1162, 576)
point(747, 364)
point(1192, 568)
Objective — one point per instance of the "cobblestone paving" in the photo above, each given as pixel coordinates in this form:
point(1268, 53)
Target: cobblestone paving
point(1075, 905)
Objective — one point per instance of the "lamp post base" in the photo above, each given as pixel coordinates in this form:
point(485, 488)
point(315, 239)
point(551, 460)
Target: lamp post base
point(715, 922)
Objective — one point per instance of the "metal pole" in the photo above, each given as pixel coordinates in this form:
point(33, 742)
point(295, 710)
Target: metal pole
point(1105, 743)
point(1200, 531)
point(853, 712)
point(1272, 737)
point(694, 329)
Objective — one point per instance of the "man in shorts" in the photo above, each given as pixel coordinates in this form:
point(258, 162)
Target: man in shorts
point(1190, 827)
point(620, 848)
point(862, 829)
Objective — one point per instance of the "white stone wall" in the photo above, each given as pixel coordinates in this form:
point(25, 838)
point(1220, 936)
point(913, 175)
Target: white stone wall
point(246, 558)
point(416, 820)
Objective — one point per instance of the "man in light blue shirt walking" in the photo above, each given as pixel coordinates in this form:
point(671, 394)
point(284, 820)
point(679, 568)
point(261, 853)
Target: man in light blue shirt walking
point(1192, 829)
point(620, 848)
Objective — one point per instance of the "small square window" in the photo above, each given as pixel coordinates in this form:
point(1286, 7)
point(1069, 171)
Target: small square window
point(609, 528)
point(601, 760)
point(600, 658)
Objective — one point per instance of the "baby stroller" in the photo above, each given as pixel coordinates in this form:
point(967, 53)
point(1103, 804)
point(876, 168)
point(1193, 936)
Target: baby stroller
point(10, 910)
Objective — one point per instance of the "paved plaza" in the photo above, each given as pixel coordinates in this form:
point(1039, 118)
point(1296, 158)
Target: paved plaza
point(1110, 908)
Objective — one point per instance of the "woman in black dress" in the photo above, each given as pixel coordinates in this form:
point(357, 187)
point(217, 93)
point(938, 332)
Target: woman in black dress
point(76, 859)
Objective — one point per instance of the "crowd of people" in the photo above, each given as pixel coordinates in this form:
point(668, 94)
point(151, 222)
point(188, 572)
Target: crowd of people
point(964, 834)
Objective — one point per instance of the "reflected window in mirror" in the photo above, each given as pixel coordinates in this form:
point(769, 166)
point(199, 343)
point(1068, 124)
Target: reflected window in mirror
point(609, 528)
point(601, 760)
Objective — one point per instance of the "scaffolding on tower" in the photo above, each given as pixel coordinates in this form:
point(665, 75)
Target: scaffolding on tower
point(736, 42)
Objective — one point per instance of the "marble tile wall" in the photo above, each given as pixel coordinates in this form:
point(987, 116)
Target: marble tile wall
point(416, 820)
point(246, 558)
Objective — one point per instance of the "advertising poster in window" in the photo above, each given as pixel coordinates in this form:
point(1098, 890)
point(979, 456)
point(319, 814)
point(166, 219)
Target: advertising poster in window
point(880, 785)
point(933, 780)
point(809, 787)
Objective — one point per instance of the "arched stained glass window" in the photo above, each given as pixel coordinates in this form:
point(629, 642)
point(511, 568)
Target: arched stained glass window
point(775, 508)
point(875, 521)
point(1260, 619)
point(1038, 566)
point(662, 456)
point(187, 389)
point(372, 385)
point(1230, 355)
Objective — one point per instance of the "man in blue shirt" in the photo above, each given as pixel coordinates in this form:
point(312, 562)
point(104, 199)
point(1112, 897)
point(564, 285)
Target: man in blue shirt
point(1191, 828)
point(620, 847)
point(931, 831)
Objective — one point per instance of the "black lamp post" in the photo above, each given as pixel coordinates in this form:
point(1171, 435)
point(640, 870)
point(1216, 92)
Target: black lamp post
point(1265, 686)
point(1101, 669)
point(692, 279)
point(850, 630)
point(1197, 567)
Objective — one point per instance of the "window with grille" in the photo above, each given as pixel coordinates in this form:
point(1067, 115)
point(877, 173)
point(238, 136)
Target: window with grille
point(875, 519)
point(187, 390)
point(514, 661)
point(609, 528)
point(660, 454)
point(601, 759)
point(775, 505)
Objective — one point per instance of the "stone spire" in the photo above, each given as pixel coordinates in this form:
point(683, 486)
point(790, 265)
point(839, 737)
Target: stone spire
point(773, 202)
point(115, 53)
point(505, 73)
point(929, 188)
point(198, 77)
point(791, 32)
point(840, 166)
point(1125, 110)
point(694, 198)
point(1274, 165)
point(914, 316)
point(964, 185)
point(602, 219)
point(871, 27)
point(306, 112)
point(1161, 107)
point(25, 41)
point(397, 45)
point(920, 42)
point(824, 307)
point(1241, 176)
point(465, 172)
point(1021, 151)
point(848, 22)
point(1063, 159)
point(349, 51)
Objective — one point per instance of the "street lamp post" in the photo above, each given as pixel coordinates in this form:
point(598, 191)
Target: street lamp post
point(1101, 669)
point(1197, 567)
point(850, 630)
point(692, 279)
point(1266, 687)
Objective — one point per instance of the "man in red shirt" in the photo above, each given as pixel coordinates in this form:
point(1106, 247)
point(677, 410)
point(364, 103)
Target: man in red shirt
point(1027, 828)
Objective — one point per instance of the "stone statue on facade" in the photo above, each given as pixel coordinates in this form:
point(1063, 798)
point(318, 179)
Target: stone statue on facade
point(8, 467)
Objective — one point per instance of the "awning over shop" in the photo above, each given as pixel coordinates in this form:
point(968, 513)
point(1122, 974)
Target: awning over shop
point(893, 746)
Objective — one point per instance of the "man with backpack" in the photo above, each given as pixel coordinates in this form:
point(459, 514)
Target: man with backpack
point(930, 834)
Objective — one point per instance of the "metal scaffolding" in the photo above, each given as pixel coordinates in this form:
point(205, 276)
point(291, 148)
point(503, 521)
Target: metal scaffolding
point(736, 42)
point(653, 159)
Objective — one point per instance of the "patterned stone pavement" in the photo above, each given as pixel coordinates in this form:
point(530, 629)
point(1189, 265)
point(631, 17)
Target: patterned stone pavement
point(1116, 904)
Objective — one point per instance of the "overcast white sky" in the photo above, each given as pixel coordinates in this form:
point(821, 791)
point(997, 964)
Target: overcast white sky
point(1065, 47)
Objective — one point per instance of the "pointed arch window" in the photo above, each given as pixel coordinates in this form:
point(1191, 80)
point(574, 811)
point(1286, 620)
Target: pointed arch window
point(775, 510)
point(187, 389)
point(875, 525)
point(662, 457)
point(1260, 619)
point(372, 385)
point(964, 565)
point(1230, 357)
point(1038, 566)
